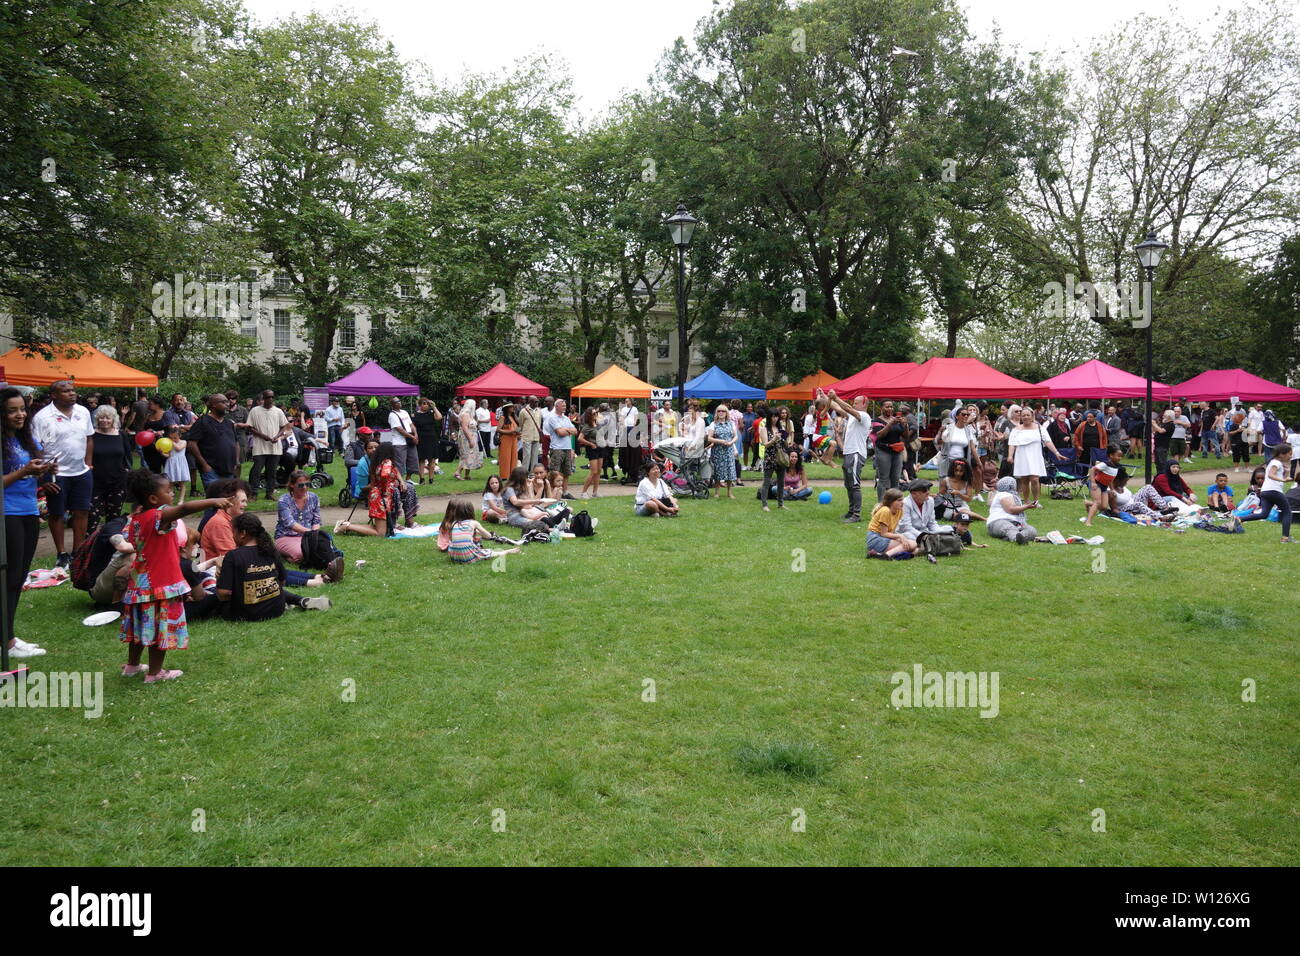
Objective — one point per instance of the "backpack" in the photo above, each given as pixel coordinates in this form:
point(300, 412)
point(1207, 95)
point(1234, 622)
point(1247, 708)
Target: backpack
point(581, 525)
point(317, 551)
point(942, 544)
point(79, 566)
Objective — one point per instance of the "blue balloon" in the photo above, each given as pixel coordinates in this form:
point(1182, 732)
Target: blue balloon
point(824, 498)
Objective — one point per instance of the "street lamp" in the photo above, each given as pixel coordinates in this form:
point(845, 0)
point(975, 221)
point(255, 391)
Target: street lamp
point(1149, 251)
point(681, 226)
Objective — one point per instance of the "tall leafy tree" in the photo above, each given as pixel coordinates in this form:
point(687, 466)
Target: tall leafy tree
point(327, 167)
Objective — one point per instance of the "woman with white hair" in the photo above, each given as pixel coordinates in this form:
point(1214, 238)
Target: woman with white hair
point(467, 442)
point(1007, 514)
point(109, 457)
point(721, 438)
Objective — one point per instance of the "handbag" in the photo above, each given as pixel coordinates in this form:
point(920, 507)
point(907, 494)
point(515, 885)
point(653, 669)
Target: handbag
point(942, 544)
point(782, 457)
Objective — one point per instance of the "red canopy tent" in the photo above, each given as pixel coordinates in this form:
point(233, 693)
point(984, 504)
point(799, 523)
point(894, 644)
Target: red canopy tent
point(501, 381)
point(863, 382)
point(954, 378)
point(1096, 379)
point(1218, 385)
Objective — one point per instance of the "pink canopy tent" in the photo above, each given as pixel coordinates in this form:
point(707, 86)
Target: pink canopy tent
point(371, 379)
point(1096, 379)
point(1218, 385)
point(965, 378)
point(501, 381)
point(862, 383)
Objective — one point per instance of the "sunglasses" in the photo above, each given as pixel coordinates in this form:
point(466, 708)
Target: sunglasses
point(300, 484)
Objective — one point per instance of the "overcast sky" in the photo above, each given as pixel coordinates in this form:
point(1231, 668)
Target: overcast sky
point(612, 45)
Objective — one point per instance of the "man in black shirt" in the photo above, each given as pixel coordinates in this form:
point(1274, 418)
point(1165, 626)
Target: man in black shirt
point(212, 437)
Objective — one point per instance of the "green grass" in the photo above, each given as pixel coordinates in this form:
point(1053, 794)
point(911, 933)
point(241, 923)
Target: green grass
point(523, 691)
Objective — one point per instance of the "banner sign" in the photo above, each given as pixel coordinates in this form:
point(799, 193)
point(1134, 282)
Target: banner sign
point(317, 399)
point(661, 394)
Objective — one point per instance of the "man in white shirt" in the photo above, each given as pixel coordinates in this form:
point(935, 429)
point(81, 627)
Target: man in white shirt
point(631, 415)
point(403, 438)
point(268, 425)
point(334, 424)
point(483, 417)
point(1255, 427)
point(857, 428)
point(63, 428)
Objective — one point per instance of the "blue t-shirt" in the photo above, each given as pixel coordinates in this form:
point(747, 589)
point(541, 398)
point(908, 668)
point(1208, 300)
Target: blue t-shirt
point(20, 497)
point(1221, 490)
point(558, 442)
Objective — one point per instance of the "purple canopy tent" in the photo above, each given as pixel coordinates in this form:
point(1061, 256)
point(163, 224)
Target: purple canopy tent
point(371, 379)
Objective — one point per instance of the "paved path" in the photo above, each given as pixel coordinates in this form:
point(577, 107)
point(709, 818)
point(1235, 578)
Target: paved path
point(435, 504)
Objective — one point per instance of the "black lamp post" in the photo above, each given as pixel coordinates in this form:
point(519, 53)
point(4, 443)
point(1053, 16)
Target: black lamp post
point(681, 225)
point(1149, 251)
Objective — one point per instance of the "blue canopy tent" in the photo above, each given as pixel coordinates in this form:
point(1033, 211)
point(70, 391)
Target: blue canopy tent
point(715, 383)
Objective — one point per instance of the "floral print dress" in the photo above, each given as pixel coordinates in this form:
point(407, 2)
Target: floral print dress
point(723, 456)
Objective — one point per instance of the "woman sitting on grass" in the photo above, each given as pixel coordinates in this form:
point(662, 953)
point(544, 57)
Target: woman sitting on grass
point(883, 539)
point(494, 506)
point(653, 498)
point(384, 484)
point(464, 534)
point(251, 583)
point(796, 481)
point(1170, 484)
point(956, 491)
point(1007, 514)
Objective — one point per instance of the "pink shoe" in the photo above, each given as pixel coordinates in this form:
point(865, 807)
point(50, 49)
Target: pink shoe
point(162, 675)
point(131, 670)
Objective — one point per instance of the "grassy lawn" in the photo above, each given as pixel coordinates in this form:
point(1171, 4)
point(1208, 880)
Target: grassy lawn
point(522, 691)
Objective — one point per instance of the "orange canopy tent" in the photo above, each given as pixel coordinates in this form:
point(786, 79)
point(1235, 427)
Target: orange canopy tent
point(804, 389)
point(84, 364)
point(614, 382)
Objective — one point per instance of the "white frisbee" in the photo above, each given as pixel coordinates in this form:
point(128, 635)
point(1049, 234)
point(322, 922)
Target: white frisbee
point(103, 617)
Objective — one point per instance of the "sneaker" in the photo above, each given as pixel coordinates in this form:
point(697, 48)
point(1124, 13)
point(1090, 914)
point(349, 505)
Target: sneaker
point(133, 670)
point(907, 556)
point(162, 675)
point(27, 645)
point(875, 554)
point(64, 560)
point(17, 652)
point(852, 519)
point(316, 604)
point(333, 572)
point(1022, 537)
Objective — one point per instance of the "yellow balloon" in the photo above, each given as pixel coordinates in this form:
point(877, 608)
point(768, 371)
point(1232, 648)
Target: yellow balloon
point(164, 445)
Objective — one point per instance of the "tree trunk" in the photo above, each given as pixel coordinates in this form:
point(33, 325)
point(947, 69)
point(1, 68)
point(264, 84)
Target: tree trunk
point(322, 344)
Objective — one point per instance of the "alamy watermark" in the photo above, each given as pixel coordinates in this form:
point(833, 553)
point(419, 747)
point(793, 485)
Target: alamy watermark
point(1125, 300)
point(179, 299)
point(922, 688)
point(75, 690)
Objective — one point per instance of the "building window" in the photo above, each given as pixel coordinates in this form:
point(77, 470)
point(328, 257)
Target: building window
point(283, 282)
point(636, 352)
point(406, 290)
point(378, 326)
point(348, 332)
point(281, 328)
point(248, 325)
point(664, 346)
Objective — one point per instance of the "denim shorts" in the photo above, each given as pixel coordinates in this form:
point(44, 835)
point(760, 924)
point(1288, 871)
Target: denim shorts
point(877, 542)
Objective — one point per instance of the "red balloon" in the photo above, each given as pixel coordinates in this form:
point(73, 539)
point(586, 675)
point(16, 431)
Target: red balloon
point(144, 438)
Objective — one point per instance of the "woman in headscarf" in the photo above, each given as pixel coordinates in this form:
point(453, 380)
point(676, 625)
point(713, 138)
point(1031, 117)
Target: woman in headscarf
point(470, 456)
point(1007, 514)
point(1171, 485)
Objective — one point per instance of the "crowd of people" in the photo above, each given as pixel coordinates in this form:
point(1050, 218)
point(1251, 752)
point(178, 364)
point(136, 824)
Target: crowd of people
point(81, 457)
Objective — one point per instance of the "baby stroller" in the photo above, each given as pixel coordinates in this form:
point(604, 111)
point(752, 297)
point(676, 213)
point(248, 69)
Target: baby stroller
point(1067, 476)
point(694, 475)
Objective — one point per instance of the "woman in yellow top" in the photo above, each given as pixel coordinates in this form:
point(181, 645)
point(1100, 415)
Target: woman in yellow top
point(668, 421)
point(883, 539)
